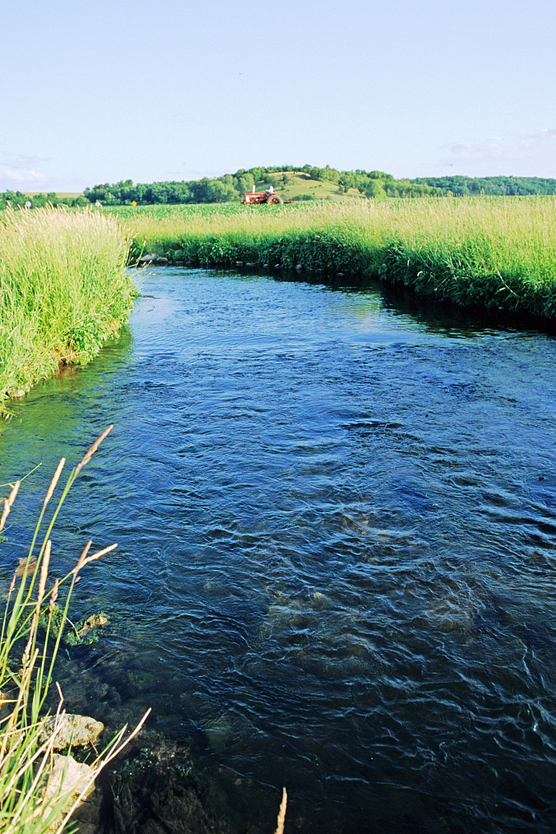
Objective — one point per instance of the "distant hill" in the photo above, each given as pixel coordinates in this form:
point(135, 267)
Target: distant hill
point(293, 183)
point(311, 183)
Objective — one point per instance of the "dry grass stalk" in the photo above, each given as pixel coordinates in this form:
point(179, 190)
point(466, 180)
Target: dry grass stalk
point(25, 758)
point(282, 813)
point(87, 457)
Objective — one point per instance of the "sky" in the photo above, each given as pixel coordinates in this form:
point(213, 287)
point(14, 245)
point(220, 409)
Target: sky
point(95, 91)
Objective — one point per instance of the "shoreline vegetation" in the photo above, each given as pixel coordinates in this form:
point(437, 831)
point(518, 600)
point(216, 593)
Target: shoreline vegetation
point(496, 253)
point(64, 291)
point(64, 288)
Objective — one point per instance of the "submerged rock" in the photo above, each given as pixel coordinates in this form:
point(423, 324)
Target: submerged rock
point(218, 732)
point(86, 631)
point(156, 790)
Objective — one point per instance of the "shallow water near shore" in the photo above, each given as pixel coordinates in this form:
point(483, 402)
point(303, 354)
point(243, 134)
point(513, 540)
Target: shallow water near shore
point(336, 567)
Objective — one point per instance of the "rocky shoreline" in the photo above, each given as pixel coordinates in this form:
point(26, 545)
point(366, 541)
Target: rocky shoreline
point(152, 786)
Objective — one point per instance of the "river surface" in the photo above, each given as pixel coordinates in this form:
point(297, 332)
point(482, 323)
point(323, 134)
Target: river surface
point(336, 566)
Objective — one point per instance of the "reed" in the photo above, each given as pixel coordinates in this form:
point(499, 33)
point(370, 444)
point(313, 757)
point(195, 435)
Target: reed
point(488, 251)
point(63, 291)
point(29, 803)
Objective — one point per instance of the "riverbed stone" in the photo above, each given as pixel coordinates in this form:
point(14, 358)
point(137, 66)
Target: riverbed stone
point(219, 731)
point(67, 775)
point(155, 790)
point(153, 258)
point(76, 730)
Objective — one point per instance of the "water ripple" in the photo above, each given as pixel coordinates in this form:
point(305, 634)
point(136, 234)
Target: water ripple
point(336, 565)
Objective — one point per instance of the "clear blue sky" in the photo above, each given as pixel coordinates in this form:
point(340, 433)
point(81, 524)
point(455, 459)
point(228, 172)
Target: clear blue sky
point(95, 91)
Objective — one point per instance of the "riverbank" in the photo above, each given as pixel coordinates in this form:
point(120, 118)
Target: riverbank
point(64, 288)
point(493, 252)
point(63, 292)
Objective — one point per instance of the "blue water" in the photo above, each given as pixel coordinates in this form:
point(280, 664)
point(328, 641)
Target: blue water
point(336, 566)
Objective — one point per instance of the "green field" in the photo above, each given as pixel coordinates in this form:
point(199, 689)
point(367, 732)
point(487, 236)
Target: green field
point(60, 194)
point(496, 252)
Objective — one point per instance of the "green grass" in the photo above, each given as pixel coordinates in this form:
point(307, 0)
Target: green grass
point(496, 252)
point(63, 291)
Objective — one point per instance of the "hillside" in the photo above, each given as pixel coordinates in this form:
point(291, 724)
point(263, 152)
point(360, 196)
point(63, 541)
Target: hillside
point(298, 185)
point(293, 183)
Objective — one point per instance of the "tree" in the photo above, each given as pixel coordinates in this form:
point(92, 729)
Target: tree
point(374, 189)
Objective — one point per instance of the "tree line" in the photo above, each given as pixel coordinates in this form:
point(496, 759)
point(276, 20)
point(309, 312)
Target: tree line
point(372, 184)
point(17, 199)
point(232, 187)
point(496, 186)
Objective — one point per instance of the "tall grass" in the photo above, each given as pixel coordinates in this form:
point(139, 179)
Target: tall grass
point(491, 251)
point(63, 291)
point(33, 800)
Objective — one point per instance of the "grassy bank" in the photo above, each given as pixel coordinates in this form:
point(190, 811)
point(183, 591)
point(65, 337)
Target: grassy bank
point(497, 252)
point(63, 291)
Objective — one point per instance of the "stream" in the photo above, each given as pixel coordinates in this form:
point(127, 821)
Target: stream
point(336, 570)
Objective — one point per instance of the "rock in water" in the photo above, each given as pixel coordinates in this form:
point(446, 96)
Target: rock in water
point(153, 258)
point(77, 730)
point(66, 776)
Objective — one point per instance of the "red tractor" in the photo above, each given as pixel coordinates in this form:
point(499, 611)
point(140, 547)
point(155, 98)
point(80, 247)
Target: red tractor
point(270, 197)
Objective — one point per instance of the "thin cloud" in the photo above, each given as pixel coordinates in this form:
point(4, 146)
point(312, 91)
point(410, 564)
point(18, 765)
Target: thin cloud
point(483, 150)
point(533, 140)
point(25, 160)
point(23, 171)
point(526, 155)
point(32, 160)
point(21, 175)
